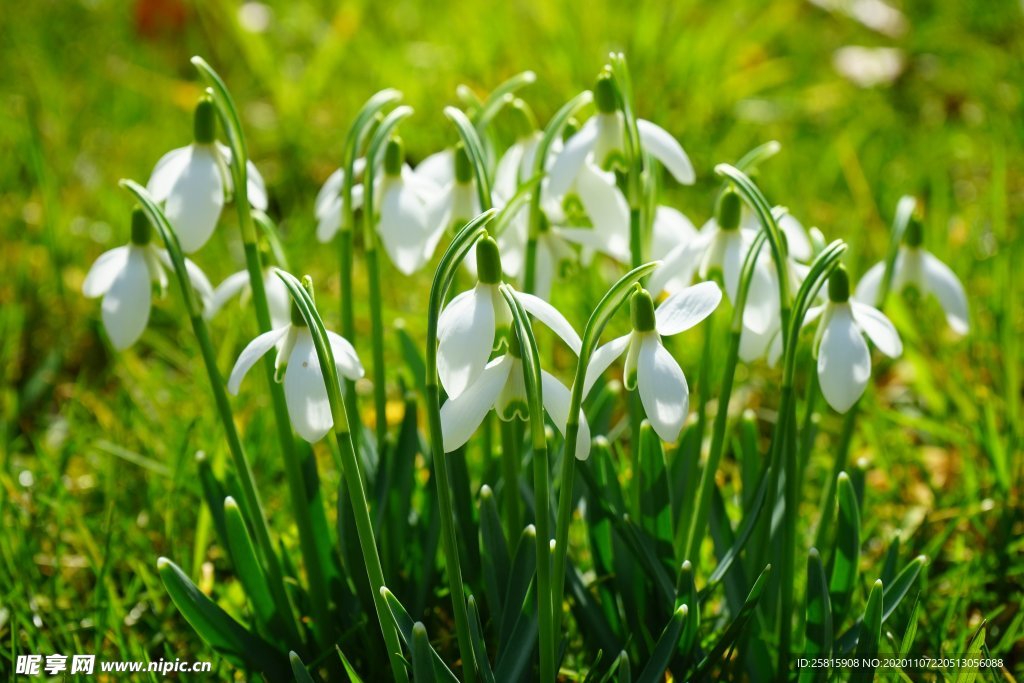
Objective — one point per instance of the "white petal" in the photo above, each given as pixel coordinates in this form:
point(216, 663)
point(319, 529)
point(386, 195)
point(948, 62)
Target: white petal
point(946, 287)
point(256, 187)
point(439, 167)
point(754, 345)
point(345, 357)
point(506, 175)
point(601, 359)
point(605, 205)
point(460, 416)
point(104, 271)
point(733, 249)
point(403, 226)
point(686, 308)
point(568, 163)
point(678, 267)
point(762, 309)
point(667, 150)
point(252, 353)
point(200, 283)
point(544, 270)
point(465, 338)
point(844, 363)
point(796, 238)
point(595, 240)
point(662, 387)
point(127, 301)
point(279, 301)
point(329, 191)
point(878, 328)
point(556, 402)
point(671, 229)
point(550, 316)
point(166, 172)
point(870, 285)
point(305, 392)
point(231, 287)
point(196, 198)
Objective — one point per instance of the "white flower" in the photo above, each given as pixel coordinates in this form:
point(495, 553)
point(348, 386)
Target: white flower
point(404, 212)
point(477, 321)
point(329, 202)
point(844, 360)
point(455, 204)
point(516, 165)
point(501, 385)
point(237, 284)
point(305, 391)
point(194, 180)
point(916, 268)
point(798, 243)
point(124, 277)
point(650, 368)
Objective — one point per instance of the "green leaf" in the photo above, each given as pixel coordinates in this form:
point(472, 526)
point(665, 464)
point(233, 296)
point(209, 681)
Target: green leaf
point(750, 520)
point(891, 598)
point(248, 567)
point(350, 671)
point(686, 594)
point(476, 633)
point(494, 556)
point(665, 648)
point(846, 558)
point(514, 659)
point(422, 661)
point(524, 564)
point(970, 672)
point(819, 617)
point(735, 629)
point(871, 631)
point(225, 635)
point(299, 669)
point(405, 625)
point(911, 633)
point(655, 505)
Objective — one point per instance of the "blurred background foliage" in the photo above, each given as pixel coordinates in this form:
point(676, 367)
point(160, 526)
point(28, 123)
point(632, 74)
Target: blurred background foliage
point(97, 474)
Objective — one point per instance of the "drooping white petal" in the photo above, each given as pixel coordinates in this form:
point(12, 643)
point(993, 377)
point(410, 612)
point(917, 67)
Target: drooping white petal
point(460, 416)
point(671, 229)
point(662, 387)
point(279, 301)
point(550, 316)
point(166, 172)
point(667, 150)
point(762, 307)
point(796, 237)
point(595, 240)
point(878, 328)
point(844, 363)
point(557, 401)
point(439, 167)
point(403, 226)
point(686, 308)
point(506, 175)
point(679, 266)
point(439, 218)
point(305, 391)
point(603, 357)
point(730, 247)
point(345, 357)
point(754, 345)
point(329, 191)
point(252, 353)
point(870, 285)
point(196, 198)
point(512, 243)
point(127, 301)
point(544, 269)
point(329, 214)
point(104, 271)
point(568, 163)
point(200, 283)
point(465, 339)
point(231, 286)
point(255, 187)
point(605, 205)
point(944, 284)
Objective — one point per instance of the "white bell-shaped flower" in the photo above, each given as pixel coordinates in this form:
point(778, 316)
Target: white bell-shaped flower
point(329, 204)
point(477, 322)
point(455, 204)
point(193, 182)
point(844, 360)
point(124, 277)
point(600, 142)
point(298, 366)
point(650, 368)
point(915, 268)
point(404, 212)
point(237, 284)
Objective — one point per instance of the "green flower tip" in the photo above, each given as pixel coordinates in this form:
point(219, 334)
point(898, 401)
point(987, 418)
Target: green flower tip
point(142, 230)
point(605, 98)
point(230, 503)
point(524, 123)
point(571, 127)
point(298, 320)
point(914, 235)
point(488, 261)
point(463, 169)
point(307, 284)
point(727, 212)
point(641, 308)
point(839, 286)
point(514, 349)
point(394, 156)
point(162, 562)
point(204, 124)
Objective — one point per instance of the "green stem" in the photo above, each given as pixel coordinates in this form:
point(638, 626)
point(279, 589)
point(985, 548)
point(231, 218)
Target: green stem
point(790, 492)
point(380, 400)
point(348, 322)
point(541, 473)
point(510, 458)
point(839, 464)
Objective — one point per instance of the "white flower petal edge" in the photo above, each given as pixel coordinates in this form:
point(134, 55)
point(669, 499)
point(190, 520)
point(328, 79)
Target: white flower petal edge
point(104, 271)
point(844, 362)
point(870, 284)
point(465, 339)
point(671, 229)
point(878, 328)
point(231, 287)
point(305, 391)
point(944, 284)
point(686, 308)
point(569, 161)
point(403, 226)
point(460, 416)
point(345, 357)
point(557, 400)
point(166, 172)
point(666, 149)
point(603, 357)
point(550, 316)
point(127, 301)
point(662, 386)
point(252, 353)
point(196, 198)
point(605, 205)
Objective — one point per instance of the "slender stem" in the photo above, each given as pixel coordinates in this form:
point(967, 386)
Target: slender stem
point(842, 454)
point(380, 400)
point(791, 490)
point(348, 321)
point(541, 473)
point(510, 458)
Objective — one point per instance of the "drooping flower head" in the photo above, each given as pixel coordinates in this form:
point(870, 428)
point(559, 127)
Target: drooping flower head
point(238, 284)
point(403, 220)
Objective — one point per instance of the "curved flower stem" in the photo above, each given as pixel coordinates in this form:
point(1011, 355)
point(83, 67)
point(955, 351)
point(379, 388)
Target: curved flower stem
point(511, 463)
point(352, 472)
point(251, 504)
point(443, 278)
point(298, 493)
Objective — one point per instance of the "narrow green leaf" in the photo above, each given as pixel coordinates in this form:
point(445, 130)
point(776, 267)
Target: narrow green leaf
point(911, 633)
point(846, 558)
point(405, 625)
point(247, 567)
point(891, 598)
point(422, 662)
point(476, 632)
point(686, 594)
point(350, 671)
point(665, 648)
point(299, 669)
point(655, 505)
point(735, 629)
point(514, 660)
point(819, 618)
point(968, 673)
point(494, 558)
point(524, 564)
point(871, 631)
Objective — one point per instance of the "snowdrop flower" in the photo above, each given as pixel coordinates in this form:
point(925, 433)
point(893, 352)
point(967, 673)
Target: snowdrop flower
point(844, 360)
point(517, 163)
point(650, 368)
point(124, 277)
point(305, 391)
point(501, 385)
point(404, 215)
point(477, 322)
point(329, 204)
point(237, 284)
point(455, 204)
point(194, 180)
point(600, 143)
point(917, 269)
point(797, 239)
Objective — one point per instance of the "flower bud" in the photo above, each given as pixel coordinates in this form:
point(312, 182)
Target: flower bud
point(142, 231)
point(394, 157)
point(204, 122)
point(488, 261)
point(839, 286)
point(604, 93)
point(463, 169)
point(914, 234)
point(641, 308)
point(727, 211)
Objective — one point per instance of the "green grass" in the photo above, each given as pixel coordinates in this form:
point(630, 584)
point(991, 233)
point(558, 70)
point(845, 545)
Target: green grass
point(98, 475)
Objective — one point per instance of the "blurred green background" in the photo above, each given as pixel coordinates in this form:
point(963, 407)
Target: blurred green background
point(97, 476)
